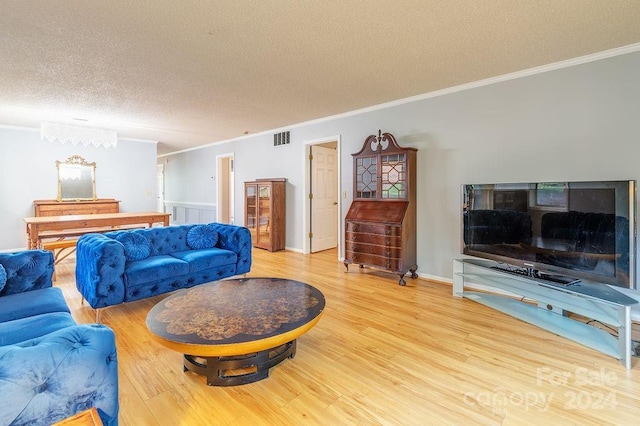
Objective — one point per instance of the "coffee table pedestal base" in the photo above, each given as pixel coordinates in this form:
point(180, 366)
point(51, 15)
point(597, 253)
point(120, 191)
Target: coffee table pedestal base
point(239, 369)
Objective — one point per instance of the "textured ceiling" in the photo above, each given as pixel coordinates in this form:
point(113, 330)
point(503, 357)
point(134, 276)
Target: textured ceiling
point(195, 72)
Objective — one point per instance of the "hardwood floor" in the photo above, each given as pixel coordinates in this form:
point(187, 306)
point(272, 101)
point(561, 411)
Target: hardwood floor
point(381, 354)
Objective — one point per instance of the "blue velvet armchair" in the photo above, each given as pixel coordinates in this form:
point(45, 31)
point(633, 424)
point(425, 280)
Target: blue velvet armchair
point(50, 367)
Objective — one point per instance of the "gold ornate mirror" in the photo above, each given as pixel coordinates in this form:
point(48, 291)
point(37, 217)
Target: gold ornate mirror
point(76, 179)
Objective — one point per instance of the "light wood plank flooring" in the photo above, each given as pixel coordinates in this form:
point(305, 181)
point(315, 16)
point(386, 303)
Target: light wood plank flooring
point(381, 354)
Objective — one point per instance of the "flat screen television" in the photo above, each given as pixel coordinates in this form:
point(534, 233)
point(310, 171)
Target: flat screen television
point(562, 230)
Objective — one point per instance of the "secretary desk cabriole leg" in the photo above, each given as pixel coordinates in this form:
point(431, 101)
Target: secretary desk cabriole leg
point(401, 281)
point(413, 270)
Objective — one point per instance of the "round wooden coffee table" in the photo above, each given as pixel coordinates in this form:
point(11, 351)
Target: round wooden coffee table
point(234, 331)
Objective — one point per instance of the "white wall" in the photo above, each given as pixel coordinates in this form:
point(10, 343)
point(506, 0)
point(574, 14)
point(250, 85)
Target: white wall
point(576, 123)
point(28, 169)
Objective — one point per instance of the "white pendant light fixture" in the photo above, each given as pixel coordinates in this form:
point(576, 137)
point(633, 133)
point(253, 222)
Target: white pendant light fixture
point(75, 135)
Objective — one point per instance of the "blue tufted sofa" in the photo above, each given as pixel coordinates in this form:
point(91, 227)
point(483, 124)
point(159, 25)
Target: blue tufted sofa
point(50, 367)
point(124, 266)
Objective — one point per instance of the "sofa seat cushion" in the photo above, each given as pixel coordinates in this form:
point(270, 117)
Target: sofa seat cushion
point(154, 268)
point(23, 329)
point(200, 260)
point(31, 303)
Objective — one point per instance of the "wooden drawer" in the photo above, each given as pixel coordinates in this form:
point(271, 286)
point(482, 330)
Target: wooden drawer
point(67, 212)
point(378, 250)
point(64, 208)
point(374, 228)
point(373, 260)
point(381, 240)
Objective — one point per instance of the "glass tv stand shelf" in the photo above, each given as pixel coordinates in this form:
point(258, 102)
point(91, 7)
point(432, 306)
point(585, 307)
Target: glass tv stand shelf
point(591, 300)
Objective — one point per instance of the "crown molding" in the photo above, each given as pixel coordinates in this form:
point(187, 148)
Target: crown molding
point(631, 48)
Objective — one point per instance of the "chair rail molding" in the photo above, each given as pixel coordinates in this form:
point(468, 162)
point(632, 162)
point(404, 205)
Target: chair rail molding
point(186, 212)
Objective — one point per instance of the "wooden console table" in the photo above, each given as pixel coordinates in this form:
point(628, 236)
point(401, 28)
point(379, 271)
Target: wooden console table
point(63, 226)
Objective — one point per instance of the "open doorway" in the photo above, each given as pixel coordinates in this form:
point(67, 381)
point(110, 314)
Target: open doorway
point(322, 190)
point(160, 189)
point(224, 192)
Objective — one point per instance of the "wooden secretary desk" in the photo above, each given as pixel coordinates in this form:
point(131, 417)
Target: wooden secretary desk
point(380, 228)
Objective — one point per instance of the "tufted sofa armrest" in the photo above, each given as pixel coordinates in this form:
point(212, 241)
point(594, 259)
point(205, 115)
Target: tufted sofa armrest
point(100, 263)
point(238, 240)
point(79, 371)
point(25, 271)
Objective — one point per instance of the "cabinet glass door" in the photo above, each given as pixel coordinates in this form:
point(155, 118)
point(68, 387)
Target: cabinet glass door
point(251, 209)
point(366, 177)
point(264, 213)
point(394, 176)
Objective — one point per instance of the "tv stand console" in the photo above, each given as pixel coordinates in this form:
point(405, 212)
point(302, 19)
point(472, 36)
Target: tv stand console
point(592, 300)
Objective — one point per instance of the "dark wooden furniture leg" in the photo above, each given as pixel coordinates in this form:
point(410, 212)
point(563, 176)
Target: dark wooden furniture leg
point(249, 368)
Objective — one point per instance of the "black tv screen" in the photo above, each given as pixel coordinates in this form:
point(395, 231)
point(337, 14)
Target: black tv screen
point(581, 230)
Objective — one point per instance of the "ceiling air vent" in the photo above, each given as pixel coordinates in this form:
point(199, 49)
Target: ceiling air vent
point(281, 138)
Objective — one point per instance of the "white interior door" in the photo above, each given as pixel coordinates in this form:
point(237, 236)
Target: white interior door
point(324, 203)
point(224, 193)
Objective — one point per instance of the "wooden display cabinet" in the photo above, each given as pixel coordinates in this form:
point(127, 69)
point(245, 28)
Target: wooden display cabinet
point(264, 212)
point(380, 228)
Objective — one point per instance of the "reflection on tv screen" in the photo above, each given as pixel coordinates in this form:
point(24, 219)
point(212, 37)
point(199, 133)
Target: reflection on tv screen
point(582, 229)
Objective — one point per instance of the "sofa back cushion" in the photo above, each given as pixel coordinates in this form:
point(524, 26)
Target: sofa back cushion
point(3, 277)
point(136, 245)
point(26, 270)
point(166, 240)
point(202, 237)
point(162, 239)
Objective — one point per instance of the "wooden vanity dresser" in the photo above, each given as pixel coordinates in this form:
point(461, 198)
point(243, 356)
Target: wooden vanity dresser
point(64, 208)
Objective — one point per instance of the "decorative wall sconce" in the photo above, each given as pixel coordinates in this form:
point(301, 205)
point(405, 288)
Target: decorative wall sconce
point(86, 136)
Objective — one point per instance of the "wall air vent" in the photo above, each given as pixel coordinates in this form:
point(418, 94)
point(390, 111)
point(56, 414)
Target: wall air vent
point(281, 138)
